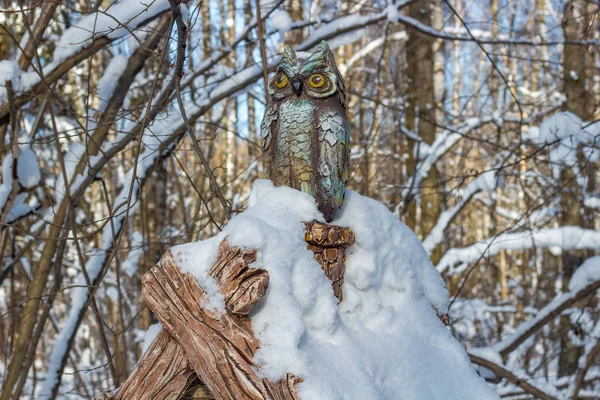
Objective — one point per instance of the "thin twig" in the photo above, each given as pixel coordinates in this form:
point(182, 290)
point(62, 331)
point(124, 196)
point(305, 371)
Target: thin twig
point(177, 74)
point(263, 50)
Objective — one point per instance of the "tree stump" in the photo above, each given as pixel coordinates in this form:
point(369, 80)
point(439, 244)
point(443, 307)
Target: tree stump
point(204, 354)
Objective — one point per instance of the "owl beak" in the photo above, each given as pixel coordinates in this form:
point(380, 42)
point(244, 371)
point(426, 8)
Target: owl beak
point(297, 86)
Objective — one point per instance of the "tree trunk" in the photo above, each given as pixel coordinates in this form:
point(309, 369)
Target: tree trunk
point(420, 113)
point(574, 73)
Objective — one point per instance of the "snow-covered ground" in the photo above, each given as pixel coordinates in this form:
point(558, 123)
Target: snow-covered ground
point(384, 341)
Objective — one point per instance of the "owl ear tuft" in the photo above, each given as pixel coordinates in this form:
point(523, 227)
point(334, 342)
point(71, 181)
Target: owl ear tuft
point(323, 46)
point(328, 57)
point(289, 54)
point(322, 51)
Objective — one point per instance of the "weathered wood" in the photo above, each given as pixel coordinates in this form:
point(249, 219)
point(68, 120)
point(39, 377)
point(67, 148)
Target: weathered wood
point(161, 373)
point(325, 235)
point(219, 347)
point(329, 243)
point(198, 391)
point(242, 286)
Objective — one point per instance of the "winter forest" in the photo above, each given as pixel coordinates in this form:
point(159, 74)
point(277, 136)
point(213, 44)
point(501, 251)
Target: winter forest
point(129, 127)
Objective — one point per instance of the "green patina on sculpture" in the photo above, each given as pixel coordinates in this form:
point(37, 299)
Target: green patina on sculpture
point(305, 132)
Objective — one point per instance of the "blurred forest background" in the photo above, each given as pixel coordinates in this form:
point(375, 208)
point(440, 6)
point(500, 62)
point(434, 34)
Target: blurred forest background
point(472, 120)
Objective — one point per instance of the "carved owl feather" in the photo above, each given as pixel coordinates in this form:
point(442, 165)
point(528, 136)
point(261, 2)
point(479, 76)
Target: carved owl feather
point(305, 132)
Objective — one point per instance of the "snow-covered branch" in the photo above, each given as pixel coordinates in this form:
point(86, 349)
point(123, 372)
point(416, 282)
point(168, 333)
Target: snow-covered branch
point(564, 238)
point(584, 283)
point(485, 37)
point(99, 262)
point(484, 182)
point(100, 30)
point(519, 379)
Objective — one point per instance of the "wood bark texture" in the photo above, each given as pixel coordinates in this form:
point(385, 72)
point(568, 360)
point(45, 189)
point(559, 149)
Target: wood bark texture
point(329, 243)
point(161, 373)
point(203, 354)
point(219, 347)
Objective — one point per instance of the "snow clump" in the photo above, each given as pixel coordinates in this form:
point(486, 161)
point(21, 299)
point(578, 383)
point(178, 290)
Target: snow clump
point(383, 341)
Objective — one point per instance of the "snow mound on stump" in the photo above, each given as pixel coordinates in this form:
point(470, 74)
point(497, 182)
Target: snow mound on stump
point(384, 341)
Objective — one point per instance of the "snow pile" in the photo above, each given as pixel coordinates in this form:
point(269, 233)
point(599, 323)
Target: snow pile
point(9, 71)
point(592, 202)
point(28, 170)
point(587, 273)
point(281, 21)
point(565, 133)
point(28, 174)
point(393, 14)
point(384, 341)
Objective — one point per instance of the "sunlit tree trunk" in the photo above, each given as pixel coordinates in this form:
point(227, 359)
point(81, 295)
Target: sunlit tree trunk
point(421, 109)
point(574, 75)
point(495, 105)
point(296, 10)
point(155, 222)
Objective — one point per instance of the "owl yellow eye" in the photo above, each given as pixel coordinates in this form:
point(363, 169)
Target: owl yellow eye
point(316, 80)
point(281, 80)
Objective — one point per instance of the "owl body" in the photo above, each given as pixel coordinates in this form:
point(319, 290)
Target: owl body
point(305, 132)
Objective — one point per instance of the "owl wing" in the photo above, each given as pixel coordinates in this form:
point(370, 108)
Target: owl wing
point(334, 135)
point(341, 85)
point(266, 126)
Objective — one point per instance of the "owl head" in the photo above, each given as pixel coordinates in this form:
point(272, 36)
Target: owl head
point(315, 76)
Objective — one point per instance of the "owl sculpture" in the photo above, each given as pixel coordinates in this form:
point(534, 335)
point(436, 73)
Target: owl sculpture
point(305, 132)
